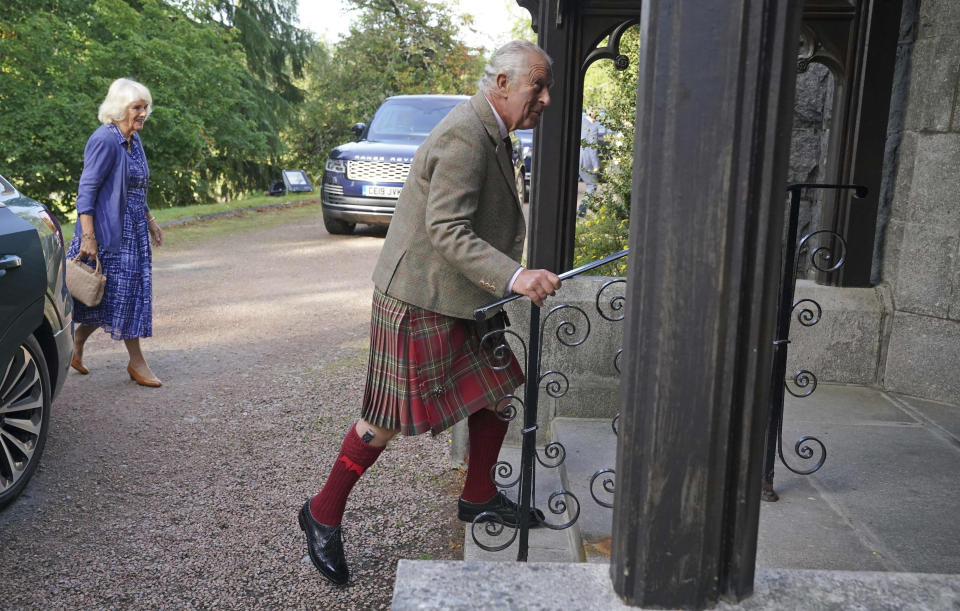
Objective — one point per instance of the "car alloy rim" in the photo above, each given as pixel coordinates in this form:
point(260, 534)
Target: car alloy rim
point(21, 416)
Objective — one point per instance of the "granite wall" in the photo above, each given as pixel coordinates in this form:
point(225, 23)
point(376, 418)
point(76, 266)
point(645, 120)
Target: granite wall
point(921, 240)
point(812, 115)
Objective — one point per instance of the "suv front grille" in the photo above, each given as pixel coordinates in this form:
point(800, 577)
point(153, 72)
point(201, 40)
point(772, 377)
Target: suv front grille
point(377, 171)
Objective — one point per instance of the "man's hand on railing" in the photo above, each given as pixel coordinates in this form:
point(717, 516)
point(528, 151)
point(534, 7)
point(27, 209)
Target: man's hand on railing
point(537, 284)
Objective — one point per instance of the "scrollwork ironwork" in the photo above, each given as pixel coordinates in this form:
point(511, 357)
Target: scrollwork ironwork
point(802, 379)
point(505, 409)
point(501, 354)
point(823, 255)
point(828, 255)
point(567, 333)
point(503, 469)
point(806, 316)
point(608, 484)
point(556, 385)
point(611, 50)
point(616, 302)
point(492, 526)
point(572, 326)
point(553, 455)
point(805, 452)
point(557, 506)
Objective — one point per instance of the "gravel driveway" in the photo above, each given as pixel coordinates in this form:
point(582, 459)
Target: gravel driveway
point(187, 495)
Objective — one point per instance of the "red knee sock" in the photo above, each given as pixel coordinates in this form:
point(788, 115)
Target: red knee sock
point(486, 436)
point(354, 458)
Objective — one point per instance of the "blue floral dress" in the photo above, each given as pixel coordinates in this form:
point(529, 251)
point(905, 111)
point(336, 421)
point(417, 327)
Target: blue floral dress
point(126, 310)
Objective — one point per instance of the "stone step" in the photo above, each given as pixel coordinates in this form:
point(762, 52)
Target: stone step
point(590, 445)
point(544, 544)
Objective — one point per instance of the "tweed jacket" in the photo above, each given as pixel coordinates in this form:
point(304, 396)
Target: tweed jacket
point(457, 234)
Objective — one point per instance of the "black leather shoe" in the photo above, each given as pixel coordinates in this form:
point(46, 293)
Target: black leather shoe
point(508, 511)
point(325, 546)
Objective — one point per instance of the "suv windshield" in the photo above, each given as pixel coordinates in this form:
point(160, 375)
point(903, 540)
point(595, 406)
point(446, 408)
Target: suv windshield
point(409, 119)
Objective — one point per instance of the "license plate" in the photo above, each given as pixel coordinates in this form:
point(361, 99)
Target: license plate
point(378, 191)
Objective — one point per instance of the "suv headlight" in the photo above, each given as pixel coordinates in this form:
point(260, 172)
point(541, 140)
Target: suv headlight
point(336, 165)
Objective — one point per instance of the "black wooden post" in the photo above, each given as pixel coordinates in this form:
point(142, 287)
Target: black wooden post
point(556, 141)
point(570, 32)
point(858, 42)
point(713, 125)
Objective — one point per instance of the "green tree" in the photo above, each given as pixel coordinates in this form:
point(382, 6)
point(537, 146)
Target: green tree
point(521, 27)
point(612, 94)
point(394, 47)
point(275, 49)
point(213, 131)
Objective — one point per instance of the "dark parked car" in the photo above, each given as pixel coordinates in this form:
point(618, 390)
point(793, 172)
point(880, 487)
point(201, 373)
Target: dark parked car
point(362, 179)
point(36, 333)
point(522, 147)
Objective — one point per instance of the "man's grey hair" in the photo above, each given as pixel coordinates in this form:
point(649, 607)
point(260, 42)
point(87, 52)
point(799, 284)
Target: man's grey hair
point(511, 59)
point(122, 93)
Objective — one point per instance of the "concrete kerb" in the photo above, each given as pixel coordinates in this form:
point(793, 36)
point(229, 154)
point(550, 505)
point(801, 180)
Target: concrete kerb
point(528, 586)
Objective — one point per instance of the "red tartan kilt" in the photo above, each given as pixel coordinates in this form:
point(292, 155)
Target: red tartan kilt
point(426, 371)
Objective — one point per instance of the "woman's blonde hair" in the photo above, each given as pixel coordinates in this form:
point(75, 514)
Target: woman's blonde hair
point(122, 93)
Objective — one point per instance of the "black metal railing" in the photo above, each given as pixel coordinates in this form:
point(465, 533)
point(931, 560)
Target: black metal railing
point(488, 529)
point(826, 252)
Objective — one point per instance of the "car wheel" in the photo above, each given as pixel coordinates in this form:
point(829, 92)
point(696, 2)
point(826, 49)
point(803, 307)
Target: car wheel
point(338, 227)
point(522, 188)
point(25, 397)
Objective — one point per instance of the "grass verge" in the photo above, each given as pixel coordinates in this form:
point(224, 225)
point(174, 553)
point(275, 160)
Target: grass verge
point(179, 212)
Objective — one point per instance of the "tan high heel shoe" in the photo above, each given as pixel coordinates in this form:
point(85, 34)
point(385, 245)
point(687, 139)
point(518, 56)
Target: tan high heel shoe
point(142, 381)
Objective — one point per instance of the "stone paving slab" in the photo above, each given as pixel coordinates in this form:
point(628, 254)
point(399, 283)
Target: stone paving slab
point(591, 445)
point(544, 544)
point(540, 586)
point(804, 531)
point(943, 415)
point(884, 500)
point(841, 404)
point(886, 497)
point(898, 486)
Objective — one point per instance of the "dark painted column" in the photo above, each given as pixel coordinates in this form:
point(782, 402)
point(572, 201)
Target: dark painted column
point(713, 126)
point(570, 32)
point(862, 114)
point(556, 142)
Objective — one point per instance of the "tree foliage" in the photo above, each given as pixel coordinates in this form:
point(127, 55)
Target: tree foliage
point(521, 24)
point(211, 134)
point(238, 90)
point(275, 49)
point(612, 95)
point(394, 47)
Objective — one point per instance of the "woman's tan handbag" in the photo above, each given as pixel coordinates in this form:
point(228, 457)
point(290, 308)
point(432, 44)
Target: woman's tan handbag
point(84, 282)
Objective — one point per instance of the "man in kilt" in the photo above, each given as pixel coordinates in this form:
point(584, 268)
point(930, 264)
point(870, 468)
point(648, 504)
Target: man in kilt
point(454, 244)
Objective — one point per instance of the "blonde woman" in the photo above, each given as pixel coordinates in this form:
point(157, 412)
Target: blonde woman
point(115, 224)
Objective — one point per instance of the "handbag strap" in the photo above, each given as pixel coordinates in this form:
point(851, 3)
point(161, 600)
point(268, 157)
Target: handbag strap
point(96, 259)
